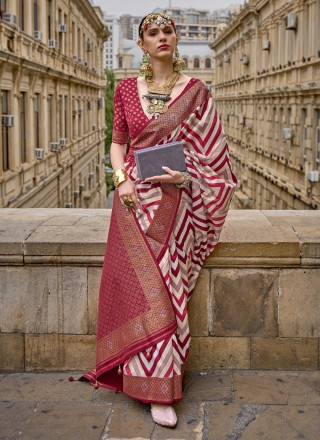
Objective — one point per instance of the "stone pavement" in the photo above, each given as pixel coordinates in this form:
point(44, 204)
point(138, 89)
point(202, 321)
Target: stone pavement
point(217, 405)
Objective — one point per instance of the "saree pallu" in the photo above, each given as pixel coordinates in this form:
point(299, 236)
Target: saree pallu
point(153, 256)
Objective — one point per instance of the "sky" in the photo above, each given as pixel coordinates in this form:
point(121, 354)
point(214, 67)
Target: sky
point(143, 7)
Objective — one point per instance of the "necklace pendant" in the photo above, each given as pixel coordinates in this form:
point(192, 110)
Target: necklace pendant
point(155, 115)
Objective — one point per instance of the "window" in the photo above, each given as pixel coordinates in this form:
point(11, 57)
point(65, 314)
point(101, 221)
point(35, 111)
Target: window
point(60, 34)
point(50, 116)
point(185, 62)
point(79, 42)
point(66, 134)
point(74, 119)
point(49, 19)
point(304, 134)
point(192, 19)
point(21, 14)
point(196, 63)
point(3, 6)
point(280, 132)
point(317, 139)
point(65, 36)
point(23, 138)
point(36, 108)
point(208, 63)
point(5, 131)
point(73, 38)
point(61, 116)
point(35, 15)
point(287, 152)
point(273, 131)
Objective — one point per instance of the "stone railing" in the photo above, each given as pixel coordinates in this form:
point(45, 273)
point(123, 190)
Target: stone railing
point(256, 303)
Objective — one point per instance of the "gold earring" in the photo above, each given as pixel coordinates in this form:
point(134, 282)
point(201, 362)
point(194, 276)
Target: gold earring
point(178, 63)
point(145, 66)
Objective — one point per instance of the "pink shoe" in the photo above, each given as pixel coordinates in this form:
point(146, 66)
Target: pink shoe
point(164, 415)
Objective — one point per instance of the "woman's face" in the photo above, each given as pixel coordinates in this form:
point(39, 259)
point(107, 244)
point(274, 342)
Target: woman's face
point(159, 42)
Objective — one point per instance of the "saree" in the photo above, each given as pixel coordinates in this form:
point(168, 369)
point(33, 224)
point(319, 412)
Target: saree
point(154, 255)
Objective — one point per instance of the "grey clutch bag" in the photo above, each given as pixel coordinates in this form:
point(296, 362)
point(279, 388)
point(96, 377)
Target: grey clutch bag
point(151, 160)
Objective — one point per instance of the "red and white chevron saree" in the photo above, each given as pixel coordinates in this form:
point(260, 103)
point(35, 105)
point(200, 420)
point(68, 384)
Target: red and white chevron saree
point(153, 257)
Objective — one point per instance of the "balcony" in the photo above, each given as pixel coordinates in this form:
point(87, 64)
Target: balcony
point(255, 306)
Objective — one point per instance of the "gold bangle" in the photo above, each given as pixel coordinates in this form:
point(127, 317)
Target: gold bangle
point(187, 180)
point(119, 176)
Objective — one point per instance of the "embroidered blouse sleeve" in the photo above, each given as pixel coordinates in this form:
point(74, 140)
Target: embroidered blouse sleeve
point(120, 134)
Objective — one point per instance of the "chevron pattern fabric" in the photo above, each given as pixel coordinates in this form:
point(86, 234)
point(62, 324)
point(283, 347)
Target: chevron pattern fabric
point(160, 248)
point(197, 227)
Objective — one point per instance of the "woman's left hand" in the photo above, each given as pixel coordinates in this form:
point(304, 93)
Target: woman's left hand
point(172, 177)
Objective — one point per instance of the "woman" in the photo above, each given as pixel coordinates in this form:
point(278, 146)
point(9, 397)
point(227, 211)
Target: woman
point(162, 228)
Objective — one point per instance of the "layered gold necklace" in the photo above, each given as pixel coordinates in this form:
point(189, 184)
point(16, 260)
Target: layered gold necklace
point(159, 95)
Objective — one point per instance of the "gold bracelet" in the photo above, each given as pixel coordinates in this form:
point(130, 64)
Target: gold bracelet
point(186, 182)
point(119, 176)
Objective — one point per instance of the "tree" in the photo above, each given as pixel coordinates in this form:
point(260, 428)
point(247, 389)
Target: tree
point(109, 108)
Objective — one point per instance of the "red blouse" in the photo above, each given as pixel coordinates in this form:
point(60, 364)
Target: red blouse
point(129, 117)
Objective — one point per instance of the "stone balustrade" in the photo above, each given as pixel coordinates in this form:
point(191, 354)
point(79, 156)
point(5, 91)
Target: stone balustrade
point(256, 304)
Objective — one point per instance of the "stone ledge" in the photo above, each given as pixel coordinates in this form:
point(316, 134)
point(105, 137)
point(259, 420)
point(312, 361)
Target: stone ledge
point(254, 306)
point(78, 236)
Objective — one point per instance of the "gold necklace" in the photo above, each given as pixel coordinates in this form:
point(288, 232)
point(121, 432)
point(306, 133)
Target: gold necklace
point(159, 95)
point(166, 88)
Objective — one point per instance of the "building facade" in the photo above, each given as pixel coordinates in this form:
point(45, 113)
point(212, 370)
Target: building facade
point(196, 29)
point(194, 24)
point(197, 55)
point(267, 91)
point(52, 104)
point(111, 46)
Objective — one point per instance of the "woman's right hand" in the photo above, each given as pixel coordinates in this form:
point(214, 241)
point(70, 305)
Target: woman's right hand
point(128, 189)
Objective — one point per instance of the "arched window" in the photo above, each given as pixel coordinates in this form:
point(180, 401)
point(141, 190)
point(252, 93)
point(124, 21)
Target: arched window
point(196, 63)
point(207, 63)
point(186, 62)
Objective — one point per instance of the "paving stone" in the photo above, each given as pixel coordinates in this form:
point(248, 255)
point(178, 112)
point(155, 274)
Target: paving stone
point(218, 352)
point(198, 306)
point(11, 351)
point(299, 303)
point(129, 420)
point(66, 421)
point(228, 421)
point(285, 423)
point(277, 388)
point(208, 386)
point(267, 405)
point(13, 418)
point(190, 423)
point(284, 354)
point(105, 395)
point(243, 302)
point(53, 387)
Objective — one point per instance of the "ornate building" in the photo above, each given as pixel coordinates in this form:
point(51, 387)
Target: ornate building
point(267, 91)
point(52, 104)
point(195, 24)
point(197, 55)
point(196, 29)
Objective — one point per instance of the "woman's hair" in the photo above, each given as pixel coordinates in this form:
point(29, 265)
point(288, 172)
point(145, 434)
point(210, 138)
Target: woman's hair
point(153, 13)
